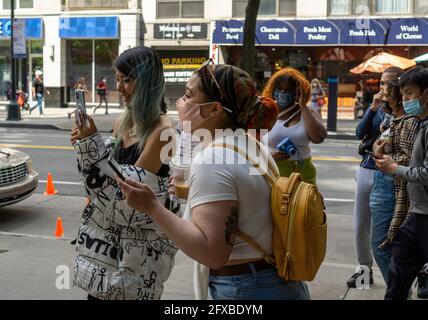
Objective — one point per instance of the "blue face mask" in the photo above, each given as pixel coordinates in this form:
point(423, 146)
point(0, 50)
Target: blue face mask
point(413, 107)
point(284, 98)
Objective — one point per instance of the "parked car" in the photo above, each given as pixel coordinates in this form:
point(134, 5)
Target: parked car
point(18, 180)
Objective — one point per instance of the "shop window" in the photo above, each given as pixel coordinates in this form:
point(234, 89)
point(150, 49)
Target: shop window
point(421, 7)
point(348, 7)
point(239, 7)
point(96, 4)
point(81, 54)
point(287, 7)
point(180, 9)
point(267, 8)
point(392, 6)
point(106, 51)
point(20, 4)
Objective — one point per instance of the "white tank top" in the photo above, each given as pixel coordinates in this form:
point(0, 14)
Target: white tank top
point(296, 133)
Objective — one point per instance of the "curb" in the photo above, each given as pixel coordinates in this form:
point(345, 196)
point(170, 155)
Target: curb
point(38, 126)
point(44, 126)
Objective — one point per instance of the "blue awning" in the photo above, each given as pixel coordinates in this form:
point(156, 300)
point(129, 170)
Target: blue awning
point(89, 27)
point(361, 32)
point(33, 28)
point(408, 31)
point(274, 32)
point(339, 32)
point(316, 32)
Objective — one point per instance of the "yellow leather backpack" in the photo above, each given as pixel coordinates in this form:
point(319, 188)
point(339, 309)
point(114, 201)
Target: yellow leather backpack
point(299, 236)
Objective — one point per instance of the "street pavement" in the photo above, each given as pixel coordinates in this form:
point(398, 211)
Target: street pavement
point(56, 118)
point(30, 255)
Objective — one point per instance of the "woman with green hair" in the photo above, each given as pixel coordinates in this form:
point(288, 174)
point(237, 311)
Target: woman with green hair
point(122, 253)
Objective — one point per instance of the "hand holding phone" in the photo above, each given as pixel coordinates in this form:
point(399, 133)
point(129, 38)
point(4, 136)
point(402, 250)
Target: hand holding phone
point(373, 155)
point(81, 113)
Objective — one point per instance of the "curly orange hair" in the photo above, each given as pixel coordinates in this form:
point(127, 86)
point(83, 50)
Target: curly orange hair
point(299, 78)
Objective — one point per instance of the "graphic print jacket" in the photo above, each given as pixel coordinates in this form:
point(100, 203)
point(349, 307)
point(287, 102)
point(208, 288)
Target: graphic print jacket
point(122, 253)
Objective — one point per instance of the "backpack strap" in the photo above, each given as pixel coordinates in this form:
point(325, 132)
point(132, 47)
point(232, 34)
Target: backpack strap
point(268, 258)
point(265, 175)
point(294, 179)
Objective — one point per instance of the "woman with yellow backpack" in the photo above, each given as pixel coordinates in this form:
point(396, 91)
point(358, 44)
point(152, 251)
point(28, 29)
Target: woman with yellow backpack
point(224, 197)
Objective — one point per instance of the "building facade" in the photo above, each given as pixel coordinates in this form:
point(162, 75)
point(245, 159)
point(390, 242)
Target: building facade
point(69, 39)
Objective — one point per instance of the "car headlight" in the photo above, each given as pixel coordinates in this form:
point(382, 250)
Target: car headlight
point(29, 166)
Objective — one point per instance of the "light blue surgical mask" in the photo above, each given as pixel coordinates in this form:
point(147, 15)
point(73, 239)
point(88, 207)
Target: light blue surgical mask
point(413, 107)
point(284, 98)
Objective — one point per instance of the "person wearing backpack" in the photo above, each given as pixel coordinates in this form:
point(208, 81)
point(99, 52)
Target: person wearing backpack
point(223, 97)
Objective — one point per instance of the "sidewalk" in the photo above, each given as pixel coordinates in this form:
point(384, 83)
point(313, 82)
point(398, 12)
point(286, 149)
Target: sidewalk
point(31, 255)
point(56, 119)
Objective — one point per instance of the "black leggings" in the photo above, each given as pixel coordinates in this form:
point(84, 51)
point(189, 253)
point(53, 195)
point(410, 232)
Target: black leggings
point(409, 254)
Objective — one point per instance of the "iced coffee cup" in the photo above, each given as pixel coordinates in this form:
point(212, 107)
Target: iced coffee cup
point(180, 173)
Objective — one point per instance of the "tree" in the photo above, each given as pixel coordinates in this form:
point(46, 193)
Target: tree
point(248, 57)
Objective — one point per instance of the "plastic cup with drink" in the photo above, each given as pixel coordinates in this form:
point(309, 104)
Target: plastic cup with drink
point(180, 172)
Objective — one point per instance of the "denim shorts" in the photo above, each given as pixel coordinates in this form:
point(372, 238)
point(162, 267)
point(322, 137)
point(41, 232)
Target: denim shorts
point(258, 285)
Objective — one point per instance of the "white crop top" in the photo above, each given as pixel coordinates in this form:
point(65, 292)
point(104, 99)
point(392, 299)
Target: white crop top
point(296, 133)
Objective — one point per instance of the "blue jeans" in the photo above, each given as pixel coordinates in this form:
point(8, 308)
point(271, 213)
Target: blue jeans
point(382, 203)
point(261, 285)
point(39, 103)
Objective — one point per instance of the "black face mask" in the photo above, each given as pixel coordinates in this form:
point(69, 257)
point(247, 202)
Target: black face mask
point(386, 107)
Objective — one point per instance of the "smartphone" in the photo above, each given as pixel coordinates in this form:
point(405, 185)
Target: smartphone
point(373, 155)
point(81, 108)
point(117, 168)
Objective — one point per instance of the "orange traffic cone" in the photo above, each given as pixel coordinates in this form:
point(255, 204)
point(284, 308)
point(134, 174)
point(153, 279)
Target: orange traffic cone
point(59, 232)
point(50, 189)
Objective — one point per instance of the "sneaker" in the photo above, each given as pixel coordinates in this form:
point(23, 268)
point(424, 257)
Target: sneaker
point(423, 285)
point(352, 281)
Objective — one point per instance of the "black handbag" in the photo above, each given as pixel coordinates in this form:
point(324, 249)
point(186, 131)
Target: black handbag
point(366, 144)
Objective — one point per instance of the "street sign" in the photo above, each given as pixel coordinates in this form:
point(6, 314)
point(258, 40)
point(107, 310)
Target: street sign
point(19, 47)
point(180, 31)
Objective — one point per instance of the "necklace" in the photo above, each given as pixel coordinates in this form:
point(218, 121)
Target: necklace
point(132, 132)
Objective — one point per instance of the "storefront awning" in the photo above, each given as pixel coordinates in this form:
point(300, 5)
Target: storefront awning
point(337, 32)
point(33, 28)
point(89, 27)
point(408, 32)
point(316, 32)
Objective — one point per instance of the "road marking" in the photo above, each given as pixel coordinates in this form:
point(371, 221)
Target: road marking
point(34, 236)
point(340, 159)
point(29, 146)
point(63, 182)
point(338, 200)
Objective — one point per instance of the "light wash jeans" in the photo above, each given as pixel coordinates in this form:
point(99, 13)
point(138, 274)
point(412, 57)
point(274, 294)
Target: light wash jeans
point(39, 103)
point(382, 203)
point(362, 217)
point(262, 285)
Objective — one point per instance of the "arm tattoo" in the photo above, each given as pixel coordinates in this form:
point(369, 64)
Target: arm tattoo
point(232, 222)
